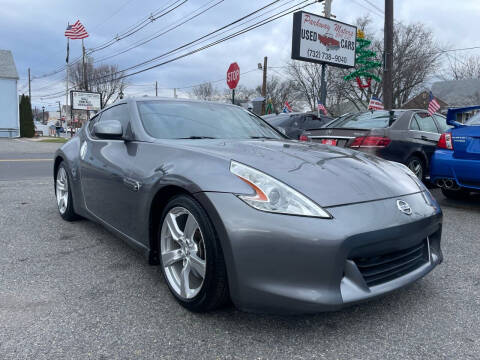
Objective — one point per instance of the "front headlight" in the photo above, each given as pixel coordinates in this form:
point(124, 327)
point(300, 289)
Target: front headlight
point(274, 196)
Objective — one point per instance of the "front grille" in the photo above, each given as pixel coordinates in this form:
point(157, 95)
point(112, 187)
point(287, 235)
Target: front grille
point(382, 268)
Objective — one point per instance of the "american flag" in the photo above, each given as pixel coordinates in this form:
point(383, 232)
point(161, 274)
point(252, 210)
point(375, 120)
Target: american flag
point(76, 31)
point(375, 104)
point(287, 108)
point(433, 105)
point(321, 107)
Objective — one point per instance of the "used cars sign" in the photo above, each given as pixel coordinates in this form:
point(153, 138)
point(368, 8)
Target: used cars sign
point(321, 40)
point(83, 100)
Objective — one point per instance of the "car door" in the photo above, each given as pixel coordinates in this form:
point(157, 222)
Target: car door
point(425, 132)
point(105, 173)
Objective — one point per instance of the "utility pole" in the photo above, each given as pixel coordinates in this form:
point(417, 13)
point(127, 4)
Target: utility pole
point(60, 110)
point(264, 84)
point(85, 84)
point(43, 114)
point(388, 56)
point(327, 12)
point(175, 93)
point(156, 88)
point(29, 86)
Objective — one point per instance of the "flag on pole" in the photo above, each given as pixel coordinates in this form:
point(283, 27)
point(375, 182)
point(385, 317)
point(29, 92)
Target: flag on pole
point(433, 105)
point(76, 31)
point(321, 107)
point(287, 108)
point(375, 104)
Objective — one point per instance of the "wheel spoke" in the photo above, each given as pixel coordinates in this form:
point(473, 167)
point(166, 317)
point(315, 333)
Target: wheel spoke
point(197, 265)
point(185, 280)
point(60, 186)
point(190, 227)
point(61, 202)
point(171, 257)
point(175, 231)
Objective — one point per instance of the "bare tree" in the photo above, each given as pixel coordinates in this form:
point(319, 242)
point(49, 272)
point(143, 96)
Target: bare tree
point(279, 91)
point(468, 68)
point(104, 79)
point(204, 91)
point(305, 78)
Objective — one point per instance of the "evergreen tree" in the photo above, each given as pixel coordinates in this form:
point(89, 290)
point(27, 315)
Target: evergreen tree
point(27, 129)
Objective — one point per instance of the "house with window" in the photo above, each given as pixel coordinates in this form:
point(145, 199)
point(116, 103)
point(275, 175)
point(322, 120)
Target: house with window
point(9, 112)
point(449, 94)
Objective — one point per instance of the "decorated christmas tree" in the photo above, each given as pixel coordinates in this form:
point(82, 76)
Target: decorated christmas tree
point(365, 63)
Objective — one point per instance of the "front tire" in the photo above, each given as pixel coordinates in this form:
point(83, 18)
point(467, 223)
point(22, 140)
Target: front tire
point(63, 194)
point(191, 257)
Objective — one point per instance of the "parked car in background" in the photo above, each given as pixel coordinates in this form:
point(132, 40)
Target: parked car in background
point(407, 136)
point(295, 123)
point(455, 165)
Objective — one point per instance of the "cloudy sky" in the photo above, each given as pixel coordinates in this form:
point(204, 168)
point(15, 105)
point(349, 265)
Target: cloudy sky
point(34, 31)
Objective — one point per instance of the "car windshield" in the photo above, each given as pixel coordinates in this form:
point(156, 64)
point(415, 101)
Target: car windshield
point(197, 120)
point(474, 120)
point(364, 120)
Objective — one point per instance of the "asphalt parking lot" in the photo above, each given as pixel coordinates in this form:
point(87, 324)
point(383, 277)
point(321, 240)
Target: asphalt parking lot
point(73, 290)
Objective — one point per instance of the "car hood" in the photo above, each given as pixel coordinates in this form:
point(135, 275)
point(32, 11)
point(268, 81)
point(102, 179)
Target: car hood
point(330, 176)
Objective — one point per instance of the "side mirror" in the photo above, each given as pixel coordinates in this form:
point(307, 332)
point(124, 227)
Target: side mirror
point(108, 129)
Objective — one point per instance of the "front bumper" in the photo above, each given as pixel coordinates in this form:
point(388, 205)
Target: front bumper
point(292, 264)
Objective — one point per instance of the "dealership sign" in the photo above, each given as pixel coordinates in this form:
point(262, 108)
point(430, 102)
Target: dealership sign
point(84, 100)
point(321, 40)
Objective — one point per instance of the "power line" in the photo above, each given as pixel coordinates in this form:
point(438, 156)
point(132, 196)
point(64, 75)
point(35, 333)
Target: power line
point(228, 37)
point(157, 35)
point(144, 22)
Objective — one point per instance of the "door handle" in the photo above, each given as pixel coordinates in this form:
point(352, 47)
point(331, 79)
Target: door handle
point(132, 184)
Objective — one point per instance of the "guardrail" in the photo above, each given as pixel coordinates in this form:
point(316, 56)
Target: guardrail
point(10, 130)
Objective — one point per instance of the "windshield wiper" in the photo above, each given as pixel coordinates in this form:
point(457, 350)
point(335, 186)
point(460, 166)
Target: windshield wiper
point(197, 137)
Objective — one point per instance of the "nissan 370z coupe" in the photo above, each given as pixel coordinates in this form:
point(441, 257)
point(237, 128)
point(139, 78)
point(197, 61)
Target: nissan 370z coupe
point(231, 209)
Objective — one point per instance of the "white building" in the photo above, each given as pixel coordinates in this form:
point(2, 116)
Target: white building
point(9, 114)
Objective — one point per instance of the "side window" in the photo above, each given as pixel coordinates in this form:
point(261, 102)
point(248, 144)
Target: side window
point(118, 112)
point(414, 124)
point(426, 122)
point(442, 123)
point(92, 122)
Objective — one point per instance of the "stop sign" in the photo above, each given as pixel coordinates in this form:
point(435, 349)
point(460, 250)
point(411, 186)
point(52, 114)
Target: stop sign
point(233, 75)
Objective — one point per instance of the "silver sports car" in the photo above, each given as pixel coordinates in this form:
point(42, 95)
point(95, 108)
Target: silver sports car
point(231, 209)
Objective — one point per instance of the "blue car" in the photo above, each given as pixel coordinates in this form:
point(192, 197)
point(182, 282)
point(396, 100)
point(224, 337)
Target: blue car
point(455, 165)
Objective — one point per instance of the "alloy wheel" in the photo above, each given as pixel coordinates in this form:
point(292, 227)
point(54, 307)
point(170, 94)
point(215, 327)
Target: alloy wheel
point(416, 167)
point(62, 190)
point(183, 252)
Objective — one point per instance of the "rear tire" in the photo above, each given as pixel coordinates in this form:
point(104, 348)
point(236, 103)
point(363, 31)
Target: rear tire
point(192, 260)
point(461, 194)
point(417, 166)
